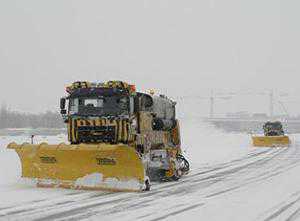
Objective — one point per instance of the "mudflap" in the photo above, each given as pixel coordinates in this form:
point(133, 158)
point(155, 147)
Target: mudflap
point(84, 166)
point(157, 175)
point(178, 167)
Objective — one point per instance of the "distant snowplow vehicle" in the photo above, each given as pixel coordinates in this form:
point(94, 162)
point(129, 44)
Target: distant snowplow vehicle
point(274, 136)
point(120, 139)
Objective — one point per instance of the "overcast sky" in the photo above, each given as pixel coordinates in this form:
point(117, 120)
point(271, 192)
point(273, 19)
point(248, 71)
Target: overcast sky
point(187, 46)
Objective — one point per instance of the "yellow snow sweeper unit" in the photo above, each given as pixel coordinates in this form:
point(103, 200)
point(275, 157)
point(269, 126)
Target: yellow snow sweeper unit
point(119, 140)
point(274, 136)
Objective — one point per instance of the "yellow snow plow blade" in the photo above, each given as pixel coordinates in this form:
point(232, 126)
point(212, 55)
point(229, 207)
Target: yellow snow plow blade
point(271, 141)
point(83, 166)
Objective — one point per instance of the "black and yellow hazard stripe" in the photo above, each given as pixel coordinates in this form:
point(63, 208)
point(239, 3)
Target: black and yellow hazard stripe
point(69, 125)
point(123, 129)
point(72, 130)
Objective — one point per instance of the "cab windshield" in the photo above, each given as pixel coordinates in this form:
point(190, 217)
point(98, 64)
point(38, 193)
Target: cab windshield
point(99, 106)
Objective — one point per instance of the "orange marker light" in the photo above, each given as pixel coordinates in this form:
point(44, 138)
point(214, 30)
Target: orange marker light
point(132, 88)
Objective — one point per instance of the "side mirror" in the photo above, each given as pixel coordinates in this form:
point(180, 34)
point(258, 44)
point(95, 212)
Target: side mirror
point(63, 103)
point(63, 111)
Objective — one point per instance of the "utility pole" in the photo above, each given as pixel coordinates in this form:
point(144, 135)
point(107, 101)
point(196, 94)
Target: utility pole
point(284, 109)
point(212, 104)
point(271, 104)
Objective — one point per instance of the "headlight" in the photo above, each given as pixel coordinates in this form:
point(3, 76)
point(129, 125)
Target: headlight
point(158, 154)
point(134, 123)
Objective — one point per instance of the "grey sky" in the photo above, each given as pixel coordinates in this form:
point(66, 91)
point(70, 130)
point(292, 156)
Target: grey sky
point(189, 46)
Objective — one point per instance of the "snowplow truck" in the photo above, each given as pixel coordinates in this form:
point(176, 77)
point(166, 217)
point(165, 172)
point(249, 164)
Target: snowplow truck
point(274, 136)
point(119, 140)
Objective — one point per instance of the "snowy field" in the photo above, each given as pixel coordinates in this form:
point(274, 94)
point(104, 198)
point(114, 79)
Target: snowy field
point(230, 180)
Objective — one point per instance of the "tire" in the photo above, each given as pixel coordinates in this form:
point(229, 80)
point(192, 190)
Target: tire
point(176, 176)
point(147, 185)
point(186, 165)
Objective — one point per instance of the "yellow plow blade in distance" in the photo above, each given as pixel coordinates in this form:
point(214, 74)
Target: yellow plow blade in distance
point(271, 141)
point(83, 166)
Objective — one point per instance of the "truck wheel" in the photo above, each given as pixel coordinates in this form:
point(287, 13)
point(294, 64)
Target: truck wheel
point(177, 175)
point(147, 186)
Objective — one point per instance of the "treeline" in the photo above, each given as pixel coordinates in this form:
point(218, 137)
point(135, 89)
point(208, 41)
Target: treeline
point(14, 119)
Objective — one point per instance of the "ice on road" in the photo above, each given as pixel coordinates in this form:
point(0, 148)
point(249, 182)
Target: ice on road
point(229, 180)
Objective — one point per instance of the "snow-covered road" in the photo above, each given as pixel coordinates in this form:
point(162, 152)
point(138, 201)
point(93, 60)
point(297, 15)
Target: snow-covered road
point(230, 180)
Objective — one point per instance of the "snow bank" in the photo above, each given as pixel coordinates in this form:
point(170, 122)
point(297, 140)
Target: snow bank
point(204, 144)
point(97, 180)
point(91, 180)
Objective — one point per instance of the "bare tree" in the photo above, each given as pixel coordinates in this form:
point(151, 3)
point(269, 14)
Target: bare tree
point(14, 119)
